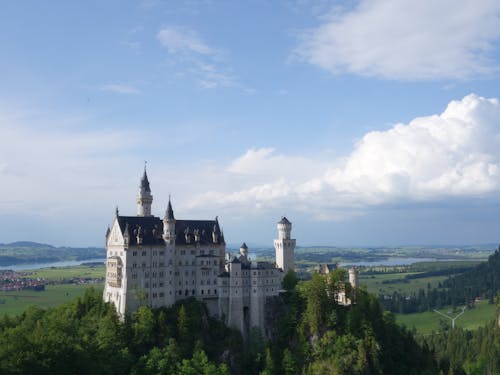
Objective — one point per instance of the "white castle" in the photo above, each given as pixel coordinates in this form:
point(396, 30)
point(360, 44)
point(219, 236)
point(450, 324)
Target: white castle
point(156, 262)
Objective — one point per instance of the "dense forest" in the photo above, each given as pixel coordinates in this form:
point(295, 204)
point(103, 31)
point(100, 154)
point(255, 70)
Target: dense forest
point(311, 334)
point(481, 281)
point(467, 352)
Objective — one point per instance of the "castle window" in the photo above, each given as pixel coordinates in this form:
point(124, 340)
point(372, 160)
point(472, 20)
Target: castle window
point(255, 290)
point(208, 291)
point(143, 253)
point(183, 252)
point(202, 263)
point(202, 291)
point(155, 295)
point(155, 252)
point(211, 252)
point(208, 282)
point(162, 274)
point(146, 285)
point(134, 253)
point(134, 265)
point(192, 292)
point(202, 282)
point(215, 262)
point(193, 263)
point(146, 274)
point(255, 273)
point(162, 253)
point(193, 252)
point(143, 264)
point(215, 291)
point(202, 252)
point(161, 294)
point(162, 264)
point(170, 262)
point(154, 285)
point(180, 263)
point(161, 285)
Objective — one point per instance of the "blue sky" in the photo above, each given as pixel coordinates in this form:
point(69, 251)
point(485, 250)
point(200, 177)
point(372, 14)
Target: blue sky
point(365, 122)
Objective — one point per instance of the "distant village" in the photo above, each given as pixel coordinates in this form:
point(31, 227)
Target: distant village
point(22, 280)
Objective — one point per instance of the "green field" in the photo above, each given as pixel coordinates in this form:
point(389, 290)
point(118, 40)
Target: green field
point(374, 283)
point(68, 272)
point(428, 322)
point(14, 303)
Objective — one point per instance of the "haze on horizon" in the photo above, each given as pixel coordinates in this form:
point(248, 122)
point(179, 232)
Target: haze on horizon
point(365, 122)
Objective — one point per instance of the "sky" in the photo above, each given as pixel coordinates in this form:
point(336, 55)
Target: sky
point(366, 123)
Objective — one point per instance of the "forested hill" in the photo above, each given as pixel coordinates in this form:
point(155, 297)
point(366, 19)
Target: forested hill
point(312, 334)
point(33, 252)
point(480, 281)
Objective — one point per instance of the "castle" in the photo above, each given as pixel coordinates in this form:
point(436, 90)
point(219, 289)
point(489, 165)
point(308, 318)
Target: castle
point(156, 262)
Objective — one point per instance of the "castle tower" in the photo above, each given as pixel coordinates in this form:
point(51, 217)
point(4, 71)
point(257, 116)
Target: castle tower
point(144, 198)
point(169, 225)
point(285, 246)
point(244, 252)
point(353, 277)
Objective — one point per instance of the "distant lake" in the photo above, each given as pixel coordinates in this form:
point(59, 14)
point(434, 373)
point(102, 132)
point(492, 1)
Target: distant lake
point(394, 262)
point(37, 266)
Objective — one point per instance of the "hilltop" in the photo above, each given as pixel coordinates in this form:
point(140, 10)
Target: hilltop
point(21, 252)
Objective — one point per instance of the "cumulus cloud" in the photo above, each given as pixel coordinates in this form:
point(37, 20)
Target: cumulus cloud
point(408, 40)
point(452, 154)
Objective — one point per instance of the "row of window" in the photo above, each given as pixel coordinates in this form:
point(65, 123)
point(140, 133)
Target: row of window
point(144, 253)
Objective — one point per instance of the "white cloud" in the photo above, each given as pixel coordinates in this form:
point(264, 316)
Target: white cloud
point(453, 154)
point(407, 39)
point(120, 88)
point(183, 40)
point(190, 53)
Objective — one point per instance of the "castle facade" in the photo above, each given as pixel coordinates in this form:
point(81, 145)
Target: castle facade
point(156, 262)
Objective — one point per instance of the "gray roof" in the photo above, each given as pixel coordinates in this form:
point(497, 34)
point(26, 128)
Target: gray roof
point(204, 228)
point(284, 220)
point(145, 182)
point(150, 228)
point(170, 212)
point(244, 246)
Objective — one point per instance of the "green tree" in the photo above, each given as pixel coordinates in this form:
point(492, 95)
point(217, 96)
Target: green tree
point(288, 363)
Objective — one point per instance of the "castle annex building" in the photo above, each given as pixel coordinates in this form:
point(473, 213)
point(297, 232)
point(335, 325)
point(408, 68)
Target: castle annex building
point(156, 262)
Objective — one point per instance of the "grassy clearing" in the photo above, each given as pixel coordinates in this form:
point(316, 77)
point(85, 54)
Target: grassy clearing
point(375, 283)
point(69, 272)
point(428, 322)
point(13, 303)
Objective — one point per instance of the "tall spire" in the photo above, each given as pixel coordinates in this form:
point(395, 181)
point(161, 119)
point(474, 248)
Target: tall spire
point(170, 212)
point(144, 181)
point(144, 198)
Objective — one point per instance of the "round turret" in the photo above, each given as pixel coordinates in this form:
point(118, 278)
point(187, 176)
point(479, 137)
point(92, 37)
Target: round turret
point(144, 198)
point(353, 277)
point(244, 252)
point(284, 229)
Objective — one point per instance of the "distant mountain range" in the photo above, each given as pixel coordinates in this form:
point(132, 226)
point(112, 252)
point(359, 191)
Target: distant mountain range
point(22, 252)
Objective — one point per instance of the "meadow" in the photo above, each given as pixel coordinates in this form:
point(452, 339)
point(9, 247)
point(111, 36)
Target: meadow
point(429, 321)
point(15, 302)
